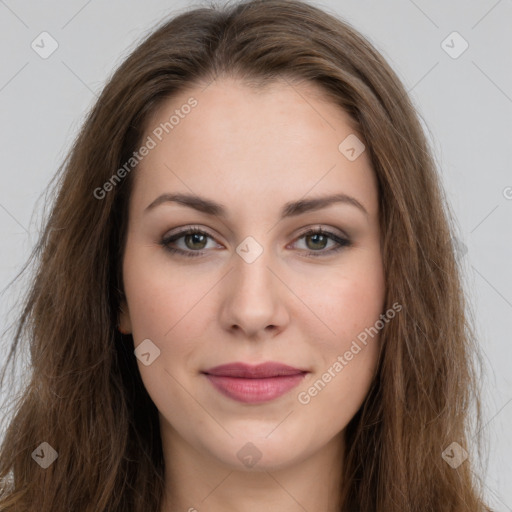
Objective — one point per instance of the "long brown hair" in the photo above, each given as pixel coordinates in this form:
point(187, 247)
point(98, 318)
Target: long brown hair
point(84, 396)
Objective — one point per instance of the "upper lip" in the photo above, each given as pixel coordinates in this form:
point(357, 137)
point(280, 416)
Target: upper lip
point(260, 371)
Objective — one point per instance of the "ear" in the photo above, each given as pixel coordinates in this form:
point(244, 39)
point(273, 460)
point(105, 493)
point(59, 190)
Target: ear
point(125, 324)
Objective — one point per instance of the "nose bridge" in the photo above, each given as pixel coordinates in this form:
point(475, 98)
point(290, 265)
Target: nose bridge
point(252, 301)
point(251, 271)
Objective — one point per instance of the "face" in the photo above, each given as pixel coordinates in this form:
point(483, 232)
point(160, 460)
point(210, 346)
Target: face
point(251, 285)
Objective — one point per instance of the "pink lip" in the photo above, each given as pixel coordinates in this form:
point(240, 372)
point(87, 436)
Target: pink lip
point(254, 384)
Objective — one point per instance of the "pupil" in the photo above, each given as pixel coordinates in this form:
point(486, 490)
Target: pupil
point(316, 237)
point(195, 236)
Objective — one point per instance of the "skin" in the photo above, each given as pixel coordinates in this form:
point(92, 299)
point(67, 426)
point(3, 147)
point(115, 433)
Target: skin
point(253, 151)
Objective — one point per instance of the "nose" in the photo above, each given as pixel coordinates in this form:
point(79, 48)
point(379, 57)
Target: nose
point(254, 298)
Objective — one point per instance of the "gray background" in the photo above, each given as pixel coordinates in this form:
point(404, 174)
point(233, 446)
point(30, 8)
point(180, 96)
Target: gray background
point(465, 104)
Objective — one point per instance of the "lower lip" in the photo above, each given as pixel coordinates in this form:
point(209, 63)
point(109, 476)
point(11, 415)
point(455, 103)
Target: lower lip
point(255, 390)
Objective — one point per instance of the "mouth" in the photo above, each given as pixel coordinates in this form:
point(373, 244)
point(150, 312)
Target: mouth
point(254, 384)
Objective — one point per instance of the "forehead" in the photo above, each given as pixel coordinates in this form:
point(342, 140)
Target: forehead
point(241, 144)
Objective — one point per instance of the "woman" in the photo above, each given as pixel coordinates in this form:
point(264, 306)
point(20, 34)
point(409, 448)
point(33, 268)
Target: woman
point(174, 376)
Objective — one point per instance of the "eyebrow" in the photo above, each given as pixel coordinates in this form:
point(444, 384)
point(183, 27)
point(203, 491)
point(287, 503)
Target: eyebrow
point(290, 209)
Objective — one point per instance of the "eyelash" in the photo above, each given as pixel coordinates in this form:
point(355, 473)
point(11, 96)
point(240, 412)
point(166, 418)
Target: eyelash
point(342, 242)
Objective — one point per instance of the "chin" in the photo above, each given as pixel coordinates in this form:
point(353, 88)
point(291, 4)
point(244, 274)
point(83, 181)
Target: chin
point(258, 453)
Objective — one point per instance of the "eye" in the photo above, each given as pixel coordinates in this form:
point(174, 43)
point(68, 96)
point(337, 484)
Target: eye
point(317, 239)
point(196, 240)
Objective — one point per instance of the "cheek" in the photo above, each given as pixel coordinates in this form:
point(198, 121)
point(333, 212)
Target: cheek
point(348, 300)
point(163, 308)
point(161, 298)
point(346, 361)
point(350, 306)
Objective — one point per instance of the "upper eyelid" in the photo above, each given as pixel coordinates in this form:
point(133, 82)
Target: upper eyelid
point(188, 230)
point(314, 227)
point(330, 232)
